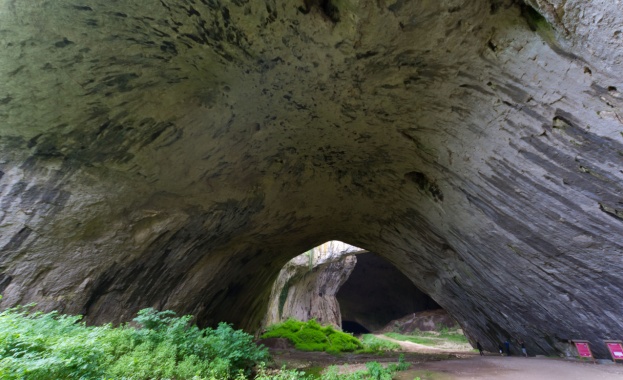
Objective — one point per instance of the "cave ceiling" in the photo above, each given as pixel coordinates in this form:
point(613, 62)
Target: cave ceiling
point(177, 154)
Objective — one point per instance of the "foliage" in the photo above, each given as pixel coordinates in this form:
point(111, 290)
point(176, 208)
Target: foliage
point(374, 371)
point(36, 345)
point(311, 336)
point(372, 344)
point(283, 374)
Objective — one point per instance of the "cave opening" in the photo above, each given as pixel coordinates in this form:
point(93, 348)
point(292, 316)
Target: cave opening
point(377, 295)
point(353, 289)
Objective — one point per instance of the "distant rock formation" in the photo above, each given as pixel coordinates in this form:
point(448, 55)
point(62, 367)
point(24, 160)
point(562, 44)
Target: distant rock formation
point(307, 285)
point(429, 320)
point(354, 287)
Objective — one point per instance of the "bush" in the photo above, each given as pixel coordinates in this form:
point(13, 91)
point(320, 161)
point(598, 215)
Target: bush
point(374, 371)
point(311, 336)
point(54, 346)
point(309, 339)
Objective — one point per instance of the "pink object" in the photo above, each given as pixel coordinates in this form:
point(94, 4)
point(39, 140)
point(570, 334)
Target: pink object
point(616, 350)
point(583, 350)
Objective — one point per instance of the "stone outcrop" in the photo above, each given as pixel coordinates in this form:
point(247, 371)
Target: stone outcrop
point(429, 320)
point(376, 293)
point(307, 285)
point(178, 153)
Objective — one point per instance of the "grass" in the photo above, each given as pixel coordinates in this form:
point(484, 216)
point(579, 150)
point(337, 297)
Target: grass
point(372, 344)
point(413, 338)
point(431, 338)
point(452, 336)
point(311, 336)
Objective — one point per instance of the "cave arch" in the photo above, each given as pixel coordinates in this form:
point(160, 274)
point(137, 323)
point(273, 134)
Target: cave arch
point(350, 288)
point(176, 158)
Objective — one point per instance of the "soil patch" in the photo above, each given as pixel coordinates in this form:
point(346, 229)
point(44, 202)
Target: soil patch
point(440, 365)
point(293, 358)
point(509, 368)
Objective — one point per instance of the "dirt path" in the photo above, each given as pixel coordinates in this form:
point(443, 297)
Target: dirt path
point(410, 346)
point(429, 363)
point(511, 368)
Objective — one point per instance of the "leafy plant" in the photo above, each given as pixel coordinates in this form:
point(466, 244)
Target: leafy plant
point(36, 345)
point(283, 374)
point(374, 371)
point(311, 336)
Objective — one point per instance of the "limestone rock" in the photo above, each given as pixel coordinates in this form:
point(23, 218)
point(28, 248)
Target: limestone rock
point(429, 320)
point(178, 153)
point(307, 285)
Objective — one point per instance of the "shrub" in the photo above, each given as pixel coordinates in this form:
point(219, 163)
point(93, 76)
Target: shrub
point(378, 372)
point(54, 346)
point(374, 371)
point(283, 374)
point(310, 339)
point(311, 336)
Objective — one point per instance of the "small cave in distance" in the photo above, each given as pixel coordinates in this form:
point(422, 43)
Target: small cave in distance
point(377, 293)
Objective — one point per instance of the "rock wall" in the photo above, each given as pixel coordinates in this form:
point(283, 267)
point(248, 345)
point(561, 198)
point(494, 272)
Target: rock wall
point(178, 153)
point(306, 289)
point(429, 320)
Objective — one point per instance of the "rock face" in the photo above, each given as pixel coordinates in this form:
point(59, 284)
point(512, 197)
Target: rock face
point(178, 153)
point(376, 293)
point(429, 320)
point(306, 288)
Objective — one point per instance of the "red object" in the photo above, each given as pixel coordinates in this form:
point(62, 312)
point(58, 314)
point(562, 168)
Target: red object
point(583, 350)
point(616, 349)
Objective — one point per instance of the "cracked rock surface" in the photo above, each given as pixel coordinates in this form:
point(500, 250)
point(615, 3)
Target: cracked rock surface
point(306, 288)
point(177, 153)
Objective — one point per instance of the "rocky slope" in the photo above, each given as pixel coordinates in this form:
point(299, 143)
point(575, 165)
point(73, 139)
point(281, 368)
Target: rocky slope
point(429, 320)
point(178, 153)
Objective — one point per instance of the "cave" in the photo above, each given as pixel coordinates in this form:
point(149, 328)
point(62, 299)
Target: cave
point(377, 293)
point(176, 154)
point(354, 327)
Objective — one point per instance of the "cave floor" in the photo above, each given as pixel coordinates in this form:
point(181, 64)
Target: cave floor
point(456, 365)
point(511, 368)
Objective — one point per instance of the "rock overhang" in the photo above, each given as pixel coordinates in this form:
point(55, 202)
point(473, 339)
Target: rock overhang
point(177, 154)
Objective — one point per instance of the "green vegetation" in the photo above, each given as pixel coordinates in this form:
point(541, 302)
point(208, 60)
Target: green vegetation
point(311, 336)
point(431, 338)
point(452, 335)
point(413, 338)
point(372, 344)
point(374, 371)
point(283, 296)
point(36, 345)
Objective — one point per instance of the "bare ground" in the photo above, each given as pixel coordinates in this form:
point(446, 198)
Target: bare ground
point(512, 368)
point(430, 363)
